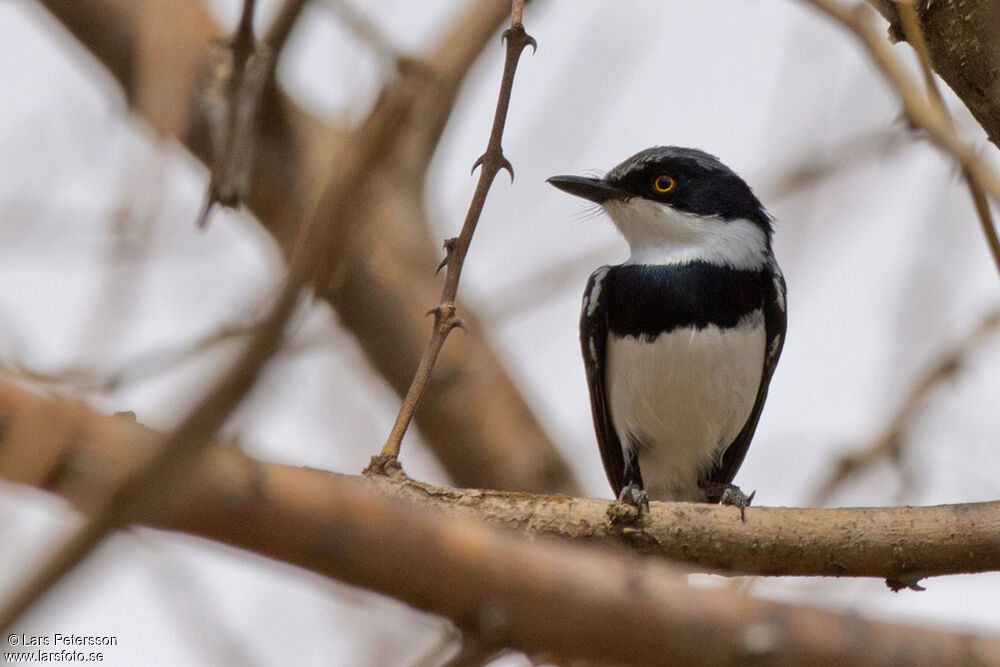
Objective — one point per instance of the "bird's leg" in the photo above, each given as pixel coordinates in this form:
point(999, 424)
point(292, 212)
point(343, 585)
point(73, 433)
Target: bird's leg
point(626, 512)
point(728, 494)
point(634, 495)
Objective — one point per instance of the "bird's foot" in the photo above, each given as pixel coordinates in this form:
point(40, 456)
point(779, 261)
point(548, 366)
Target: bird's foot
point(728, 494)
point(630, 504)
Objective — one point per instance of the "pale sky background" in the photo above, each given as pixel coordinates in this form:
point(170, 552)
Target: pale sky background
point(884, 261)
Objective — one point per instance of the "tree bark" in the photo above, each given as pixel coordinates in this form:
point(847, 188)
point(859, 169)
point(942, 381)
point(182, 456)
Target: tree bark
point(80, 454)
point(962, 36)
point(542, 596)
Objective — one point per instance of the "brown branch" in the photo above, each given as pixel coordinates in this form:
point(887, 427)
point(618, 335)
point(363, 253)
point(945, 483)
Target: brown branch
point(381, 293)
point(365, 30)
point(445, 313)
point(927, 115)
point(563, 599)
point(964, 51)
point(281, 27)
point(889, 443)
point(279, 510)
point(154, 483)
point(241, 72)
point(915, 36)
point(152, 487)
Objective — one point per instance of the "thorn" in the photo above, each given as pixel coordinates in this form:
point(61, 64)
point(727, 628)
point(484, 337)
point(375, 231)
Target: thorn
point(435, 311)
point(480, 161)
point(505, 164)
point(206, 210)
point(449, 247)
point(910, 581)
point(524, 37)
point(459, 323)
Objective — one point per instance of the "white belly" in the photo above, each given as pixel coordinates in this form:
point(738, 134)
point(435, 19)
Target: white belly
point(683, 397)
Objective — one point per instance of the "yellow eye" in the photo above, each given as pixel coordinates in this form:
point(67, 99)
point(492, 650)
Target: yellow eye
point(664, 183)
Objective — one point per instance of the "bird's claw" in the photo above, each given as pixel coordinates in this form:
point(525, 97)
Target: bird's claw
point(449, 246)
point(734, 496)
point(634, 495)
point(507, 166)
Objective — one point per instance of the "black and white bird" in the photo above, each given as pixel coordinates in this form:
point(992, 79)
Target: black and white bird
point(680, 341)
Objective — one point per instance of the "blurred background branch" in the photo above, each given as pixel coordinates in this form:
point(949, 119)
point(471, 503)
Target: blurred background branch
point(890, 442)
point(384, 288)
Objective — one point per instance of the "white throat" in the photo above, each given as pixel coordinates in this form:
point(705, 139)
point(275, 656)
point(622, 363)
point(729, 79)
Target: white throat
point(658, 234)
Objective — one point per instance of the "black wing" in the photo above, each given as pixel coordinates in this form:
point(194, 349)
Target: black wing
point(594, 344)
point(775, 322)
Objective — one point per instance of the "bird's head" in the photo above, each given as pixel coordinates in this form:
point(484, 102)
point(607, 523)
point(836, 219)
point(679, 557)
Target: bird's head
point(675, 205)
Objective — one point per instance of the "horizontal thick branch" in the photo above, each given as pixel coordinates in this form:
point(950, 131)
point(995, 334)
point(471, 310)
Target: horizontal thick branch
point(250, 504)
point(540, 596)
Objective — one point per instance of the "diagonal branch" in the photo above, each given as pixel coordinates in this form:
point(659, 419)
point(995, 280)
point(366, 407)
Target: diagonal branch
point(241, 72)
point(889, 442)
point(934, 120)
point(915, 36)
point(490, 164)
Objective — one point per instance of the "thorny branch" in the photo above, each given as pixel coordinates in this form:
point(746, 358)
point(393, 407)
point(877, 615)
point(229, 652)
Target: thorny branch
point(233, 103)
point(445, 314)
point(889, 443)
point(386, 534)
point(928, 115)
point(281, 27)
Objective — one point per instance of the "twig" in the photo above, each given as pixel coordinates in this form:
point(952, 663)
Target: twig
point(234, 103)
point(816, 165)
point(888, 444)
point(365, 30)
point(445, 315)
point(281, 27)
point(921, 112)
point(915, 37)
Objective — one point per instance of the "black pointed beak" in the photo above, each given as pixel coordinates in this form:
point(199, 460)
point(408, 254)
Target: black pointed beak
point(593, 189)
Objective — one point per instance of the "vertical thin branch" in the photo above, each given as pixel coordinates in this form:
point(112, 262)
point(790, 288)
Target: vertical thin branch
point(233, 103)
point(445, 313)
point(281, 27)
point(915, 36)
